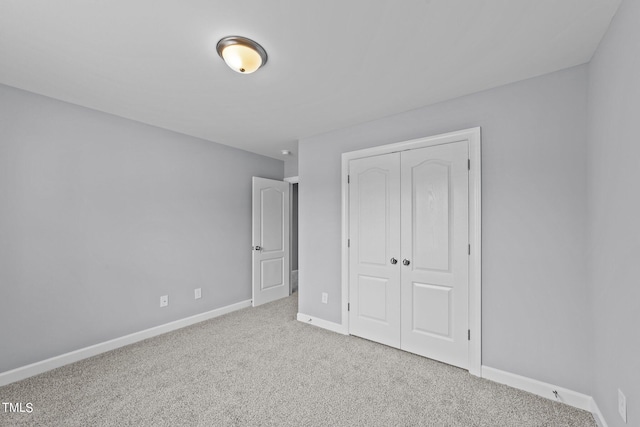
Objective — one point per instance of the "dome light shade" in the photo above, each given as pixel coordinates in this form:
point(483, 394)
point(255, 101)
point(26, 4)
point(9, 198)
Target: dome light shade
point(241, 54)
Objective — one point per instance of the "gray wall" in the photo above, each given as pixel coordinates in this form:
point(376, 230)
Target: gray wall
point(99, 216)
point(614, 209)
point(535, 300)
point(291, 166)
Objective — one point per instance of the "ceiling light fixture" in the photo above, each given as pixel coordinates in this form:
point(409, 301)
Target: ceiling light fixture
point(241, 54)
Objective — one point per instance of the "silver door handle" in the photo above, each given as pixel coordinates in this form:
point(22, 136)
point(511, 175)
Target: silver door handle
point(257, 248)
point(394, 261)
point(406, 262)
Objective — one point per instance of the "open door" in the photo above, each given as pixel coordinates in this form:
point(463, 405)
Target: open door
point(270, 231)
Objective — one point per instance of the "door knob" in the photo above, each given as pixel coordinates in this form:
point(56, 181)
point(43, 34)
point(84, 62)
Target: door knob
point(406, 262)
point(394, 261)
point(257, 248)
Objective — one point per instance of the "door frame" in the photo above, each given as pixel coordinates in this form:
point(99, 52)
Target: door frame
point(291, 180)
point(473, 137)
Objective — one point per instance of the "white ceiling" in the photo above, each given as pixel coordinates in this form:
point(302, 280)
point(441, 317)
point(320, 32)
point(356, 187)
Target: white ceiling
point(332, 63)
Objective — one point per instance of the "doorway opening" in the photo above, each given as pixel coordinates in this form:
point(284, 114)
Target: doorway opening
point(294, 237)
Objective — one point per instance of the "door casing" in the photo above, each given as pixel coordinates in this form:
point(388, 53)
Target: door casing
point(472, 136)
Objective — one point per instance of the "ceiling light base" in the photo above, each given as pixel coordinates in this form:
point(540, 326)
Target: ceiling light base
point(241, 54)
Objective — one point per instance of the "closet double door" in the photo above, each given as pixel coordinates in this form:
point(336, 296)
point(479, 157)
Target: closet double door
point(408, 251)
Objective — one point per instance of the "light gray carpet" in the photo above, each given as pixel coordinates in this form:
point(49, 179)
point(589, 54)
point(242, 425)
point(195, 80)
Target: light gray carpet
point(261, 367)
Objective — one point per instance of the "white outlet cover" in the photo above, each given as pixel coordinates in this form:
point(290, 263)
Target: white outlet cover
point(164, 300)
point(622, 405)
point(325, 297)
point(198, 293)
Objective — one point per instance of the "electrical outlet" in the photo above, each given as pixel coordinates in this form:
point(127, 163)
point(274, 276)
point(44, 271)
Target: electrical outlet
point(325, 297)
point(198, 293)
point(164, 300)
point(622, 405)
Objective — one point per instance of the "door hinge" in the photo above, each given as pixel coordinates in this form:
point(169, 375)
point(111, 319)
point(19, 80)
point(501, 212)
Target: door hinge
point(348, 243)
point(469, 164)
point(348, 179)
point(469, 249)
point(348, 306)
point(468, 334)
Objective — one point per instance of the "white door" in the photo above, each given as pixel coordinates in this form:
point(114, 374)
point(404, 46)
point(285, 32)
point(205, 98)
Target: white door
point(408, 251)
point(270, 231)
point(435, 270)
point(374, 292)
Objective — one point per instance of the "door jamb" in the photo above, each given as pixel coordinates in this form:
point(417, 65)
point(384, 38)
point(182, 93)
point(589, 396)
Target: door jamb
point(473, 137)
point(291, 180)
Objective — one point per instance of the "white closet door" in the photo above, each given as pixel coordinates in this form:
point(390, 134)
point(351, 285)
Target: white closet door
point(374, 224)
point(435, 247)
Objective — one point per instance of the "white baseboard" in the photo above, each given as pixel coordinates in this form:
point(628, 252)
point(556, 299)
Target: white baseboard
point(597, 414)
point(570, 397)
point(64, 359)
point(325, 324)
